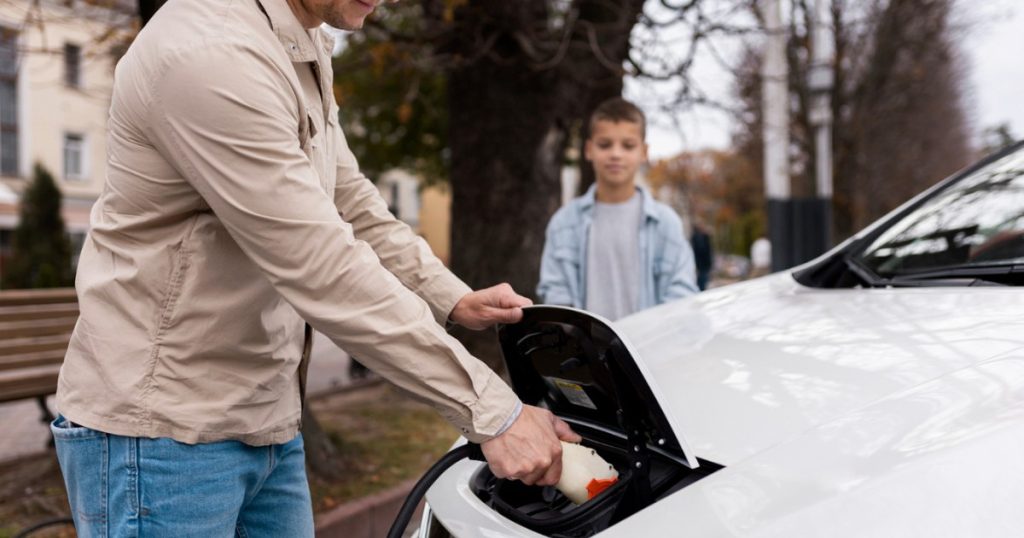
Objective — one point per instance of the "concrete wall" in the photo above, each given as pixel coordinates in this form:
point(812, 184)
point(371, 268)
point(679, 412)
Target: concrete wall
point(435, 220)
point(426, 210)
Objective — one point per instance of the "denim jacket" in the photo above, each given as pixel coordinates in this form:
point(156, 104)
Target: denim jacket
point(667, 259)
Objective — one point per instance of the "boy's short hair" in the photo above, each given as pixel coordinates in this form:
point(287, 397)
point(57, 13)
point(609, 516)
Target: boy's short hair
point(618, 109)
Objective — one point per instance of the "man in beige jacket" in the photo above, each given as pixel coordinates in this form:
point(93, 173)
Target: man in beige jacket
point(233, 210)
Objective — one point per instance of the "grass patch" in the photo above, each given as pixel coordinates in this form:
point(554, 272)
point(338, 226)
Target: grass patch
point(384, 439)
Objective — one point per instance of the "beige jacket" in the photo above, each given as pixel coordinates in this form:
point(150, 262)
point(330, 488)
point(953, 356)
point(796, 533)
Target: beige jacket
point(233, 209)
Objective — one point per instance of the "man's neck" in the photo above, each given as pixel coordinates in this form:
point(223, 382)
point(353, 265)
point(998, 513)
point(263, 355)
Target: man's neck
point(615, 194)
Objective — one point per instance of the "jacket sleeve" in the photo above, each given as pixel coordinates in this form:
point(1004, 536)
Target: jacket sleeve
point(401, 251)
point(680, 278)
point(232, 134)
point(554, 285)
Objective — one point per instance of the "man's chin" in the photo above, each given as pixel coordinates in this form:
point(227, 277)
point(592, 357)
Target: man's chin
point(343, 23)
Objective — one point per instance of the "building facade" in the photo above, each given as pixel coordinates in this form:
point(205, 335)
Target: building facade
point(57, 61)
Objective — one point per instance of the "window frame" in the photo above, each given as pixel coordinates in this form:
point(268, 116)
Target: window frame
point(73, 75)
point(79, 139)
point(10, 165)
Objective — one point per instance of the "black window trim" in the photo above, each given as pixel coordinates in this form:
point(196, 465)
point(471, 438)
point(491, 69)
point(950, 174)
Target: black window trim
point(820, 274)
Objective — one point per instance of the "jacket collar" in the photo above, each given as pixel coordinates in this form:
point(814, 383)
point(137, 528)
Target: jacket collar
point(647, 204)
point(295, 39)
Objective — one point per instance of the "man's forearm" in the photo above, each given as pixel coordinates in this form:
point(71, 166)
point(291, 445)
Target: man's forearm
point(400, 250)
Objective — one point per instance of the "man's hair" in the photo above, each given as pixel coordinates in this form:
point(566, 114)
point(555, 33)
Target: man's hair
point(618, 109)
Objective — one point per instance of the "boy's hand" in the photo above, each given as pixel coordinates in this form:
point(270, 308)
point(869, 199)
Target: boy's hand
point(529, 450)
point(482, 308)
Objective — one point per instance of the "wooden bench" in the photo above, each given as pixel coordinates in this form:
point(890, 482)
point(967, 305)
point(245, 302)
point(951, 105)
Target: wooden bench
point(35, 327)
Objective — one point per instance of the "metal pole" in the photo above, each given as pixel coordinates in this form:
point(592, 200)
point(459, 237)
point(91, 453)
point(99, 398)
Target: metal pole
point(820, 83)
point(775, 91)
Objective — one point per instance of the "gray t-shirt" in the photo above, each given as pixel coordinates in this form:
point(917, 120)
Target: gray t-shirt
point(613, 258)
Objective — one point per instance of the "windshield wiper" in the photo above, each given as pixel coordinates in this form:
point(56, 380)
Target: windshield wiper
point(866, 276)
point(1006, 274)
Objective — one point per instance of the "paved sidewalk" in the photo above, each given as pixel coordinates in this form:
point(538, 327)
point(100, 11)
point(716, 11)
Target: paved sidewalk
point(22, 431)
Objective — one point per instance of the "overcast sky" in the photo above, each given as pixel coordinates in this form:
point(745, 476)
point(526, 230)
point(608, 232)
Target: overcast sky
point(994, 82)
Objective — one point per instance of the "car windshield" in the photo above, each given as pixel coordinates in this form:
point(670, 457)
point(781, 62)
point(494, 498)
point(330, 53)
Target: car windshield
point(978, 221)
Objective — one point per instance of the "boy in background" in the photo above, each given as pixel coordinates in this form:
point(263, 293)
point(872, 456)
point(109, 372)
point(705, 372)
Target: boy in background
point(615, 250)
point(703, 254)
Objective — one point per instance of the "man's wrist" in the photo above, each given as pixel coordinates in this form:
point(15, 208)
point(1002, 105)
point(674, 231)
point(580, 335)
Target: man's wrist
point(449, 324)
point(443, 294)
point(511, 418)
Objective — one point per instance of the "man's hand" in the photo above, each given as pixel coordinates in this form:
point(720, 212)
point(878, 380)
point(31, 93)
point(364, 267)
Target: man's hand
point(529, 450)
point(482, 308)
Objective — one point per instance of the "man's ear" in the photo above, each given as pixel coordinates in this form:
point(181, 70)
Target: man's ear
point(587, 149)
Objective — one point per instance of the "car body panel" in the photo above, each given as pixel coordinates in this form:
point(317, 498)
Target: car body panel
point(462, 513)
point(905, 405)
point(941, 459)
point(749, 366)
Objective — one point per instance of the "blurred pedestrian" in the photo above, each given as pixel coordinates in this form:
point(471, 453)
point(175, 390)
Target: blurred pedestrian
point(615, 250)
point(703, 255)
point(760, 257)
point(357, 370)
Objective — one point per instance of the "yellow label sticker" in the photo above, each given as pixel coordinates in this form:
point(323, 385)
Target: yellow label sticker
point(573, 392)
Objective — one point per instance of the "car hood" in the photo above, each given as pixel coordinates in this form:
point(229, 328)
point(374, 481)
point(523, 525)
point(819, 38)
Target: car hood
point(758, 364)
point(842, 413)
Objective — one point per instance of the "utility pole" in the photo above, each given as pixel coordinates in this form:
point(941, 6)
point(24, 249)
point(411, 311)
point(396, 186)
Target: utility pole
point(820, 82)
point(775, 133)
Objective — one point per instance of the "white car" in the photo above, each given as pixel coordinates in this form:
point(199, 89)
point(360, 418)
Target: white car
point(876, 391)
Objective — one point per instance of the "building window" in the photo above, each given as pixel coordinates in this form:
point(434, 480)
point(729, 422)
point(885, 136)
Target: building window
point(73, 65)
point(74, 157)
point(8, 102)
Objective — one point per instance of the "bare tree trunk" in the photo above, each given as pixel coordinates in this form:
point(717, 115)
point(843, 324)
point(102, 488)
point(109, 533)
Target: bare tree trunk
point(898, 110)
point(507, 149)
point(510, 124)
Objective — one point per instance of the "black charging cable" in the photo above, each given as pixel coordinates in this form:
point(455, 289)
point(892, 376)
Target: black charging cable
point(468, 450)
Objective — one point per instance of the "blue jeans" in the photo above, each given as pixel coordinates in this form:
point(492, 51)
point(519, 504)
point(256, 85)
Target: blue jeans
point(134, 486)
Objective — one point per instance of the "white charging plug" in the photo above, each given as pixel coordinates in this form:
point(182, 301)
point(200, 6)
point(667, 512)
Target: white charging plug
point(585, 473)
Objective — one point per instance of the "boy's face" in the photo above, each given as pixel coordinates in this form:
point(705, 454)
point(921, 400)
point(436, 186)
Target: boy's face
point(616, 149)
